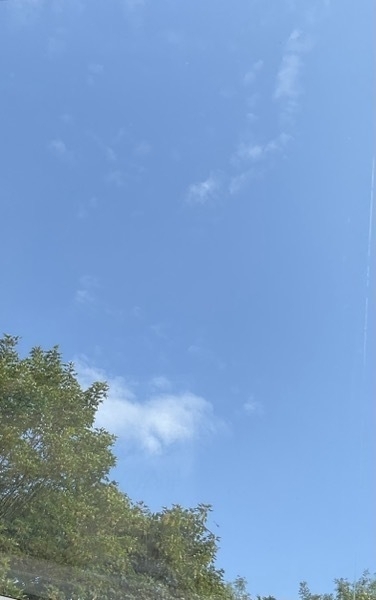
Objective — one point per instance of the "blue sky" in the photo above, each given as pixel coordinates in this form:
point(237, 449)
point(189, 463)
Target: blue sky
point(185, 200)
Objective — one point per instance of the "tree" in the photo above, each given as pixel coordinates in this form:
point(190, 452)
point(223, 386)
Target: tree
point(180, 551)
point(47, 439)
point(362, 589)
point(67, 531)
point(55, 493)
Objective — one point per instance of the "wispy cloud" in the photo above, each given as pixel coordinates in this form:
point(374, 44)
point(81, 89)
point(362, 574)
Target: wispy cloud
point(252, 73)
point(252, 153)
point(288, 87)
point(155, 424)
point(85, 293)
point(116, 178)
point(134, 12)
point(142, 149)
point(160, 383)
point(288, 77)
point(203, 191)
point(253, 407)
point(160, 330)
point(66, 118)
point(58, 147)
point(85, 208)
point(204, 354)
point(132, 5)
point(239, 181)
point(24, 12)
point(95, 68)
point(94, 71)
point(56, 46)
point(28, 13)
point(137, 312)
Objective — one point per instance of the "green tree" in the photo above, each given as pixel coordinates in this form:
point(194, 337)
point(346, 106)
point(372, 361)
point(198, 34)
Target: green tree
point(56, 501)
point(47, 439)
point(180, 551)
point(362, 589)
point(66, 530)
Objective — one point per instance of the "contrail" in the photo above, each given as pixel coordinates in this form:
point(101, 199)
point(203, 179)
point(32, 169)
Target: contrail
point(368, 273)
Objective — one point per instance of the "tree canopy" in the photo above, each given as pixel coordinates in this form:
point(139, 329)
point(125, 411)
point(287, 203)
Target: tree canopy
point(67, 532)
point(66, 527)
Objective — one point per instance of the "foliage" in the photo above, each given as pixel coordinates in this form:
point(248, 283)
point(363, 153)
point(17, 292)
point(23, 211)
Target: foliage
point(67, 532)
point(362, 589)
point(178, 549)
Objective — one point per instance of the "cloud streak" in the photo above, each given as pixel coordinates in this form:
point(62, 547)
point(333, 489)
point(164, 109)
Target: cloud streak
point(252, 154)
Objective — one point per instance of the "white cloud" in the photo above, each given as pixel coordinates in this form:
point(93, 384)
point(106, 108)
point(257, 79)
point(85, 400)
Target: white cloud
point(89, 281)
point(58, 147)
point(85, 294)
point(204, 354)
point(161, 330)
point(29, 13)
point(173, 37)
point(251, 117)
point(160, 383)
point(251, 74)
point(23, 12)
point(253, 155)
point(132, 5)
point(142, 149)
point(84, 297)
point(253, 407)
point(202, 192)
point(250, 151)
point(249, 156)
point(85, 208)
point(288, 77)
point(278, 143)
point(137, 312)
point(238, 182)
point(134, 12)
point(30, 2)
point(94, 70)
point(152, 425)
point(110, 153)
point(288, 86)
point(66, 118)
point(116, 178)
point(55, 46)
